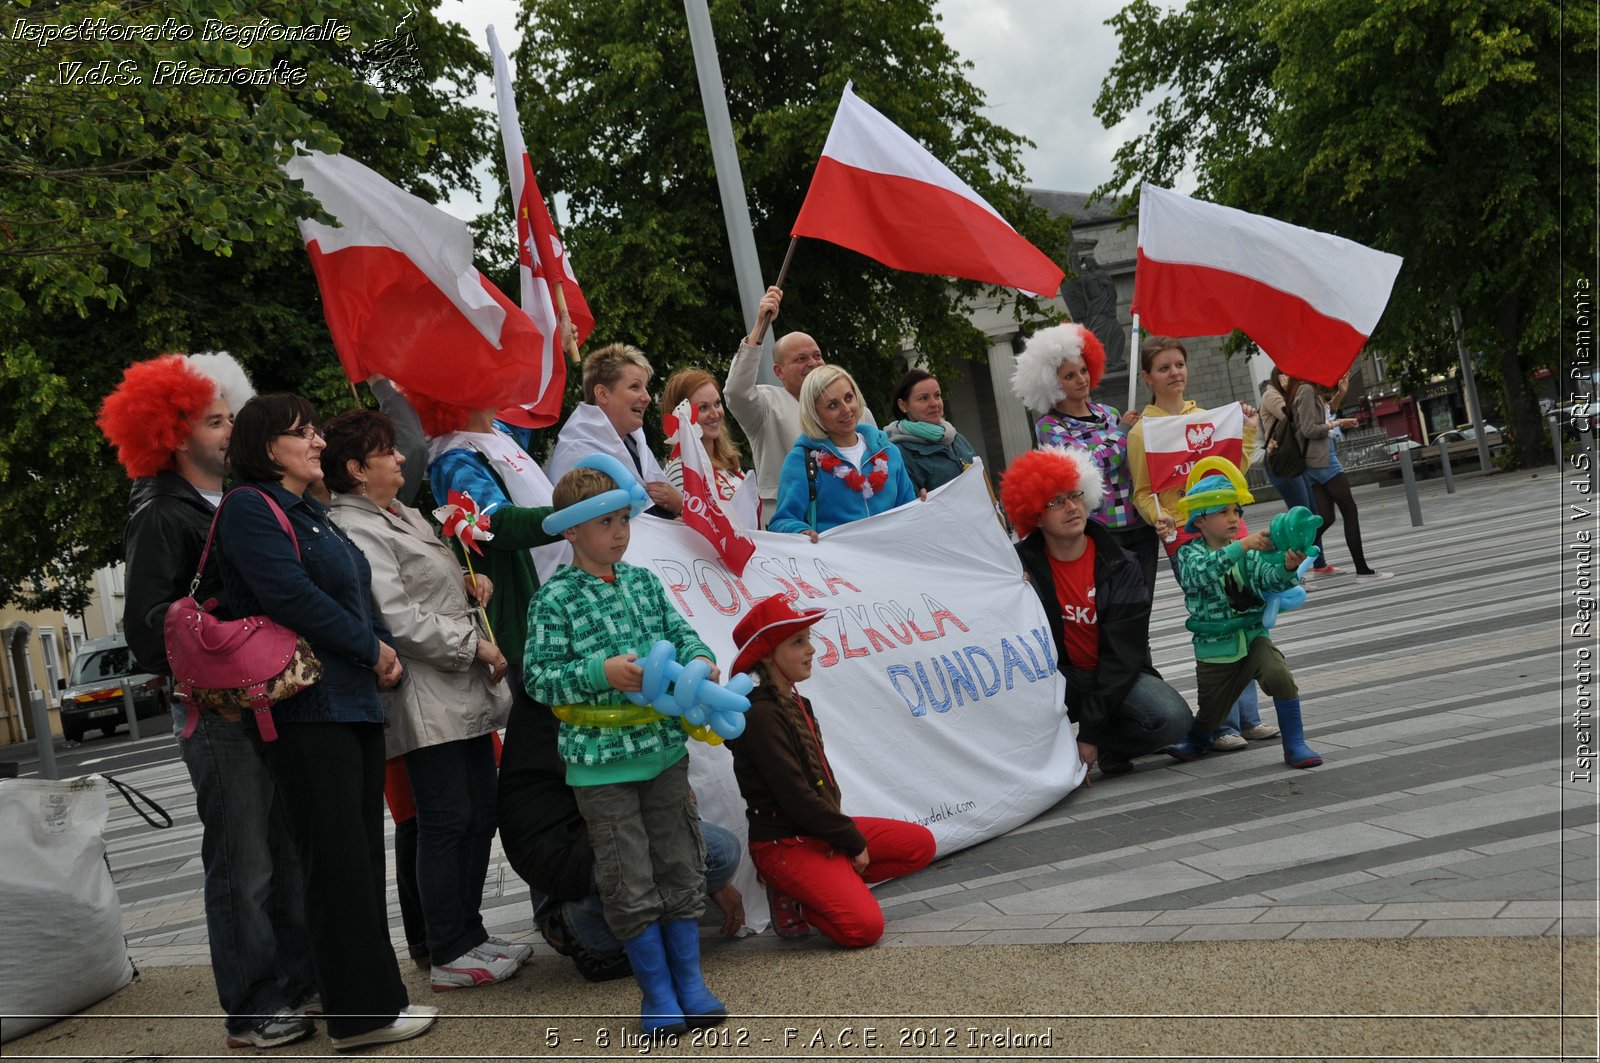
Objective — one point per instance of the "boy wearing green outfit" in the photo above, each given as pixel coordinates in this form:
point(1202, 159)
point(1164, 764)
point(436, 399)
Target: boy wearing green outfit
point(628, 766)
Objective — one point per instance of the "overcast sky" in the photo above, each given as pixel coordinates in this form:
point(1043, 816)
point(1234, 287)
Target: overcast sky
point(1039, 63)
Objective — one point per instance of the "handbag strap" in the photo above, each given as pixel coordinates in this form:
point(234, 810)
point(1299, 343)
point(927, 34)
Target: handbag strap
point(129, 792)
point(277, 511)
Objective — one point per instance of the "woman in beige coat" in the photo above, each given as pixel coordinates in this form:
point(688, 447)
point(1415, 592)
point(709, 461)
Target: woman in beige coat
point(442, 717)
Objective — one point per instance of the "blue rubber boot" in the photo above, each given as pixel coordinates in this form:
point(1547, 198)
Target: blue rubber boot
point(1296, 753)
point(1194, 744)
point(700, 1006)
point(659, 1012)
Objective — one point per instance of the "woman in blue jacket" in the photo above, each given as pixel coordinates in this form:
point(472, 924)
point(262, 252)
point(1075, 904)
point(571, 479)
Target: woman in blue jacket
point(840, 470)
point(327, 758)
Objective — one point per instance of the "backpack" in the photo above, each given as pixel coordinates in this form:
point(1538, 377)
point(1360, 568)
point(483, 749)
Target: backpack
point(1288, 459)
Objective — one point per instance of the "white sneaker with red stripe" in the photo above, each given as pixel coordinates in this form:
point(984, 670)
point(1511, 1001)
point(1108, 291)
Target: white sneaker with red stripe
point(472, 968)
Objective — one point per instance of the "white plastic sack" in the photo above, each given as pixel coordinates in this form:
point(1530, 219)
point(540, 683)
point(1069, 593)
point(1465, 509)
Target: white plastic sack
point(61, 943)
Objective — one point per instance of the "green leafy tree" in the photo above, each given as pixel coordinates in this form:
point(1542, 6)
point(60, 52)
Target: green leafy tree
point(1439, 132)
point(613, 116)
point(142, 218)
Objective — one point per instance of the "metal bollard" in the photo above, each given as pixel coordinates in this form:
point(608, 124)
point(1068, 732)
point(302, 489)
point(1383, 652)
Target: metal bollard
point(42, 736)
point(1444, 467)
point(1409, 475)
point(130, 712)
point(1555, 443)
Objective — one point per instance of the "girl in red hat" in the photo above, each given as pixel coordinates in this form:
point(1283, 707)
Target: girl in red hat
point(815, 860)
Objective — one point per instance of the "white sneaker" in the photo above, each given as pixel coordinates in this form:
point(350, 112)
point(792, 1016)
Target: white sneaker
point(1373, 577)
point(475, 967)
point(511, 950)
point(1229, 742)
point(411, 1021)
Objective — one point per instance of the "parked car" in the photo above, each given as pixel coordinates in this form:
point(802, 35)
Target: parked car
point(1403, 443)
point(1469, 434)
point(91, 698)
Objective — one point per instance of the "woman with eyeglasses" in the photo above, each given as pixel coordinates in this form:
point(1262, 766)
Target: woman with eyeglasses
point(327, 756)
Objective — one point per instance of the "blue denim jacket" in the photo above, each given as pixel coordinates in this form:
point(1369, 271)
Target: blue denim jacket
point(324, 596)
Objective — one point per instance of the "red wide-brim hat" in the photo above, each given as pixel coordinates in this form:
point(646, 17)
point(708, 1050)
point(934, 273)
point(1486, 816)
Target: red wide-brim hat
point(765, 626)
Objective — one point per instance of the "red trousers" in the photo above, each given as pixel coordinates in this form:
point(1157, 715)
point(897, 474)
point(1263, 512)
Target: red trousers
point(833, 896)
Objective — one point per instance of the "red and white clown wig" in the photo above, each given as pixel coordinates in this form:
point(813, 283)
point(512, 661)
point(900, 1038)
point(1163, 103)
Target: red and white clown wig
point(160, 401)
point(1046, 473)
point(1034, 380)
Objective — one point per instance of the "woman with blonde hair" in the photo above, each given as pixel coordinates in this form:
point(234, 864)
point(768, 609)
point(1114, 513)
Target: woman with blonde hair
point(841, 469)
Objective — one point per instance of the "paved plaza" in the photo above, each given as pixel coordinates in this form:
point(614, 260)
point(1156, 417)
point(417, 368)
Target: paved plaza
point(1446, 806)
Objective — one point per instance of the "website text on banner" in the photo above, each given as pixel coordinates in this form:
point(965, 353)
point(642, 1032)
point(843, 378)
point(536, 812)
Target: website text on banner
point(935, 679)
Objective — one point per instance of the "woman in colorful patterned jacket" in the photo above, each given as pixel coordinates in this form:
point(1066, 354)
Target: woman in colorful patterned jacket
point(1055, 373)
point(841, 469)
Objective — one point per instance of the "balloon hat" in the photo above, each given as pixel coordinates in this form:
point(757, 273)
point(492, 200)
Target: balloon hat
point(629, 494)
point(1209, 492)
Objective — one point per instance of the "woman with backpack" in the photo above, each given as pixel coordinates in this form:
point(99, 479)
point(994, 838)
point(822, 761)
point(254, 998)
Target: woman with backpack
point(1286, 459)
point(1329, 485)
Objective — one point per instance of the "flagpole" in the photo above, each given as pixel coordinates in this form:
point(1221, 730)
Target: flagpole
point(783, 273)
point(1133, 364)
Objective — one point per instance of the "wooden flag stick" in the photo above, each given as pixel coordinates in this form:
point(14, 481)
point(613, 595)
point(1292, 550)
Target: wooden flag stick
point(783, 274)
point(568, 338)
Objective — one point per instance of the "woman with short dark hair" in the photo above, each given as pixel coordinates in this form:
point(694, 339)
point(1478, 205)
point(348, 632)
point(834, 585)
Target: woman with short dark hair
point(442, 719)
point(934, 452)
point(327, 758)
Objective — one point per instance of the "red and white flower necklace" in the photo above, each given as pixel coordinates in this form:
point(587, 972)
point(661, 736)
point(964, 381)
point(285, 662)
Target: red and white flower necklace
point(868, 485)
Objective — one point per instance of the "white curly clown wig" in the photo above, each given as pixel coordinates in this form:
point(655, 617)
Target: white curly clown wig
point(233, 387)
point(1040, 475)
point(1034, 380)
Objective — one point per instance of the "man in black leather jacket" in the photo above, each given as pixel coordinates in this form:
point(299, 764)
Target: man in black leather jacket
point(170, 419)
point(1095, 595)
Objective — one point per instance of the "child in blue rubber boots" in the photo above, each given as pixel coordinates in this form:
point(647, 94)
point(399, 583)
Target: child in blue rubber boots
point(1223, 580)
point(626, 764)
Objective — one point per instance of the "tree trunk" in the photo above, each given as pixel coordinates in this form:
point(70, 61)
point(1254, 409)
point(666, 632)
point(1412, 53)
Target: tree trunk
point(1519, 406)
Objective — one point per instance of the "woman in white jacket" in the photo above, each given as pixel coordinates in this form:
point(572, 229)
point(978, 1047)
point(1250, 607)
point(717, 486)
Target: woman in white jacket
point(443, 716)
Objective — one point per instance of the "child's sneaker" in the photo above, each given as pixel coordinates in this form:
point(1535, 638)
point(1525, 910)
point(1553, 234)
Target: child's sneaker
point(787, 920)
point(1229, 742)
point(1260, 732)
point(472, 968)
point(270, 1031)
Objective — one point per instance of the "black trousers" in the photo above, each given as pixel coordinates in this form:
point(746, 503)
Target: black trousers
point(330, 780)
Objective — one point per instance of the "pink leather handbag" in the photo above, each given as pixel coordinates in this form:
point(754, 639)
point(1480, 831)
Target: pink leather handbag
point(227, 666)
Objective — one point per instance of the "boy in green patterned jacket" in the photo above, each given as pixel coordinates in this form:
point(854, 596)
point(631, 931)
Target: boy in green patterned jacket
point(1223, 578)
point(587, 628)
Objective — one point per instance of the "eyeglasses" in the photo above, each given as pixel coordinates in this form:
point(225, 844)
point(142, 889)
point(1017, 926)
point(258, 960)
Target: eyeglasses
point(307, 432)
point(1061, 500)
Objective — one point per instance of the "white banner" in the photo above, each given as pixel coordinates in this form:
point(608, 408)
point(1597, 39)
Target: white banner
point(935, 677)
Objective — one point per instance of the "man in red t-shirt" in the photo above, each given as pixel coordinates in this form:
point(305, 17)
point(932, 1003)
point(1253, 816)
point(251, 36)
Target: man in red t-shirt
point(1099, 607)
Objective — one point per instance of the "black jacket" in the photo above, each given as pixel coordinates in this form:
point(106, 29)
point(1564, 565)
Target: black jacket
point(1122, 606)
point(541, 830)
point(167, 525)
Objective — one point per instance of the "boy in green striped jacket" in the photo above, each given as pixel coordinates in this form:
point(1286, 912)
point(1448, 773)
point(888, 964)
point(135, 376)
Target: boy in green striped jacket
point(628, 766)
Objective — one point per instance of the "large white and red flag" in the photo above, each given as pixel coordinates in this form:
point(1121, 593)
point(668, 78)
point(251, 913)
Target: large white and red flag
point(402, 297)
point(1308, 299)
point(879, 192)
point(1173, 444)
point(542, 260)
point(701, 509)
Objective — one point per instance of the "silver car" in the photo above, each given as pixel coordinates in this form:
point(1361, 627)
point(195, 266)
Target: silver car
point(92, 698)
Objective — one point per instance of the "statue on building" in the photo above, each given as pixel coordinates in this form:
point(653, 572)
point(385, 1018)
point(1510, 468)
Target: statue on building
point(1091, 297)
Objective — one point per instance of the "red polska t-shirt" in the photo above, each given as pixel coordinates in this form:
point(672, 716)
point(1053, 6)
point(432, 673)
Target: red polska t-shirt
point(1080, 619)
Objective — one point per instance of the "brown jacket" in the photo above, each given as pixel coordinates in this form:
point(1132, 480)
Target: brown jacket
point(769, 761)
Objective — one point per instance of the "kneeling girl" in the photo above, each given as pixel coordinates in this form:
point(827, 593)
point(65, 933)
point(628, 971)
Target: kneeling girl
point(815, 860)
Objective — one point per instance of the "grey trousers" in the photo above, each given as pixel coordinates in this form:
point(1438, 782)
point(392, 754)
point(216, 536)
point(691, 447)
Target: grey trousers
point(649, 858)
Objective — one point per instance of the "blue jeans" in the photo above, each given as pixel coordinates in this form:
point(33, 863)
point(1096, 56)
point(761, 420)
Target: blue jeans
point(1245, 713)
point(587, 917)
point(1151, 717)
point(453, 786)
point(254, 894)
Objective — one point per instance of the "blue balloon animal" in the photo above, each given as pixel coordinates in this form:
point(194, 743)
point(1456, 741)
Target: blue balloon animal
point(708, 711)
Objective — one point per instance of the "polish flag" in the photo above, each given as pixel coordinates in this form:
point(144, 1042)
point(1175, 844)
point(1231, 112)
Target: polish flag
point(402, 297)
point(1173, 444)
point(542, 261)
point(879, 192)
point(1310, 300)
point(701, 510)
